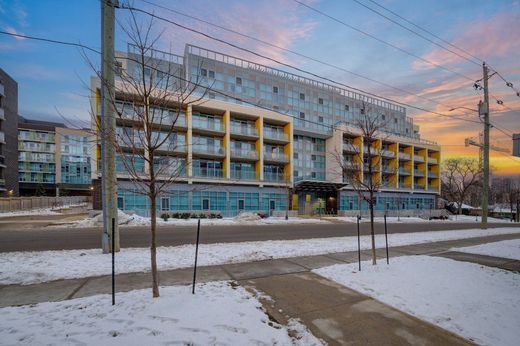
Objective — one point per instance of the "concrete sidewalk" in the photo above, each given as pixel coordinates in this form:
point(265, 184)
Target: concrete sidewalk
point(11, 295)
point(341, 316)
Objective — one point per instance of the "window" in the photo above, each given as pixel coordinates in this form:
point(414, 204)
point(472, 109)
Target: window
point(407, 130)
point(165, 203)
point(383, 116)
point(121, 203)
point(347, 108)
point(275, 90)
point(320, 119)
point(302, 115)
point(395, 120)
point(241, 204)
point(211, 74)
point(118, 68)
point(320, 101)
point(239, 81)
point(203, 72)
point(295, 156)
point(362, 110)
point(302, 96)
point(205, 204)
point(211, 95)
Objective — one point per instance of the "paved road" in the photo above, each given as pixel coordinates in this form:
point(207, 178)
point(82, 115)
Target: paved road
point(89, 238)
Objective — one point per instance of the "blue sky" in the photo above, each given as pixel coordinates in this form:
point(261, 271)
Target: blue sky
point(54, 80)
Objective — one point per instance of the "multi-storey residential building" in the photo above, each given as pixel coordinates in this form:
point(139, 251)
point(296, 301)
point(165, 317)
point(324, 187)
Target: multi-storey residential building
point(8, 135)
point(53, 159)
point(261, 130)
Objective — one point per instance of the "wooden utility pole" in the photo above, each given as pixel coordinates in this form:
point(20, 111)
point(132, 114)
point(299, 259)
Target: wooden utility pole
point(484, 110)
point(108, 127)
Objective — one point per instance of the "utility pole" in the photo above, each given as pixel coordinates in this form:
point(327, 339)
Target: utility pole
point(108, 127)
point(484, 110)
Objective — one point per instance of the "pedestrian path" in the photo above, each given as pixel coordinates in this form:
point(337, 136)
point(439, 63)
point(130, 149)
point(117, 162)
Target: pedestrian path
point(341, 316)
point(12, 295)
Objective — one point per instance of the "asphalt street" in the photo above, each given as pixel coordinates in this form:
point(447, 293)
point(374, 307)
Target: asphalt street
point(40, 238)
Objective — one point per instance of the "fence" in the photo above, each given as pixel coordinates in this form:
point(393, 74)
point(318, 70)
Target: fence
point(29, 203)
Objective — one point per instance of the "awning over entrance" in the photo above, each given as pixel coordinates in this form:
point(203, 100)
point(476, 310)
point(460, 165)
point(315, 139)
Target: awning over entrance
point(317, 186)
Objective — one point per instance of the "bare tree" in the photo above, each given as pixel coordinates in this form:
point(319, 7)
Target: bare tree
point(459, 177)
point(364, 178)
point(150, 103)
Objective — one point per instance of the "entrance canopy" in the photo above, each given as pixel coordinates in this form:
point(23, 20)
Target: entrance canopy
point(317, 186)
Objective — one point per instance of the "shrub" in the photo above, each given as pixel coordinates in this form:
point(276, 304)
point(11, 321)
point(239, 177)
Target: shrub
point(212, 216)
point(165, 216)
point(185, 216)
point(203, 216)
point(219, 216)
point(262, 215)
point(176, 215)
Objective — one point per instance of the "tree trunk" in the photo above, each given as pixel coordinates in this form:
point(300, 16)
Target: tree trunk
point(372, 233)
point(153, 247)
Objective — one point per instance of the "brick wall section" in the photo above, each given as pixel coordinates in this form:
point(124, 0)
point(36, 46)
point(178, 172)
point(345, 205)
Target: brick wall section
point(10, 128)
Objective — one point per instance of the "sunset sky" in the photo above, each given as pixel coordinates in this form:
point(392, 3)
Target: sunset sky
point(53, 80)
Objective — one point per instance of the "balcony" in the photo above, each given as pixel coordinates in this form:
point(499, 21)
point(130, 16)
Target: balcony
point(432, 174)
point(418, 187)
point(373, 151)
point(418, 158)
point(2, 137)
point(243, 175)
point(387, 153)
point(244, 154)
point(274, 177)
point(404, 156)
point(2, 113)
point(275, 157)
point(210, 173)
point(388, 170)
point(375, 168)
point(208, 151)
point(403, 185)
point(207, 126)
point(245, 131)
point(418, 173)
point(351, 148)
point(404, 171)
point(433, 188)
point(432, 160)
point(387, 185)
point(351, 166)
point(276, 136)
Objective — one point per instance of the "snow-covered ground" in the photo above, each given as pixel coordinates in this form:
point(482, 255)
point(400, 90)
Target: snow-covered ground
point(476, 302)
point(412, 219)
point(505, 248)
point(136, 220)
point(218, 314)
point(41, 266)
point(40, 212)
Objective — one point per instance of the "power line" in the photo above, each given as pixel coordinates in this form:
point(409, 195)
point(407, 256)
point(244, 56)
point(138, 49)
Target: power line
point(291, 66)
point(297, 54)
point(425, 30)
point(416, 33)
point(382, 41)
point(50, 41)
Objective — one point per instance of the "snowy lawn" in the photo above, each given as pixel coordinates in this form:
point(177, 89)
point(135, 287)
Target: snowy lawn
point(39, 212)
point(505, 249)
point(476, 302)
point(218, 314)
point(412, 219)
point(41, 266)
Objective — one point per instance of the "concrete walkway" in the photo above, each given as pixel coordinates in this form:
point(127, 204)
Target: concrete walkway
point(12, 295)
point(341, 316)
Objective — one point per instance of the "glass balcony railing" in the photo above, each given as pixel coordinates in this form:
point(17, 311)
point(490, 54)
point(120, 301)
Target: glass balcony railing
point(432, 160)
point(200, 149)
point(351, 147)
point(274, 177)
point(404, 185)
point(204, 124)
point(373, 151)
point(432, 174)
point(274, 156)
point(278, 135)
point(388, 169)
point(433, 188)
point(404, 156)
point(375, 168)
point(418, 158)
point(404, 171)
point(351, 165)
point(212, 173)
point(418, 173)
point(244, 130)
point(387, 153)
point(244, 153)
point(243, 175)
point(418, 187)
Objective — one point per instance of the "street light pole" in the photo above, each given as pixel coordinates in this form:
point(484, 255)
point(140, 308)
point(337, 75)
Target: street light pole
point(484, 110)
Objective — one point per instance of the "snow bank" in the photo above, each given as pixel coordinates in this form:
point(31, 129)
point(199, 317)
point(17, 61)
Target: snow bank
point(35, 267)
point(41, 211)
point(248, 217)
point(412, 219)
point(505, 249)
point(476, 302)
point(218, 314)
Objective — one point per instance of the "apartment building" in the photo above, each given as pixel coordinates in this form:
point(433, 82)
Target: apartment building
point(53, 159)
point(8, 135)
point(262, 139)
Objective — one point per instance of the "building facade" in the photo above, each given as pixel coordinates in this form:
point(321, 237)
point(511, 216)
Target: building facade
point(53, 160)
point(263, 139)
point(8, 135)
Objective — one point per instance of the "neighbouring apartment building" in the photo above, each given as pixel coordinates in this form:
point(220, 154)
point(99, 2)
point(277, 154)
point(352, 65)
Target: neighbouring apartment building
point(8, 135)
point(53, 160)
point(263, 139)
